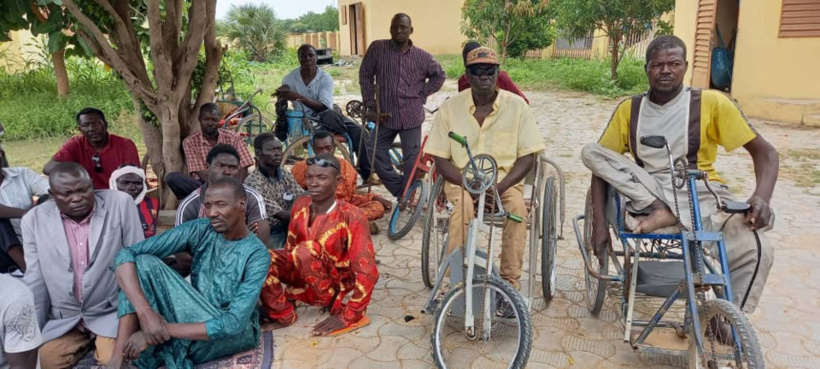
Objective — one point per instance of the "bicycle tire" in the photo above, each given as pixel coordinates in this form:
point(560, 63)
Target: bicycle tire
point(596, 289)
point(522, 317)
point(396, 231)
point(290, 151)
point(428, 274)
point(396, 157)
point(549, 240)
point(749, 344)
point(253, 125)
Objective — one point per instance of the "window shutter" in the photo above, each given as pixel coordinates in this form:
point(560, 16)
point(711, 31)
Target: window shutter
point(800, 18)
point(702, 51)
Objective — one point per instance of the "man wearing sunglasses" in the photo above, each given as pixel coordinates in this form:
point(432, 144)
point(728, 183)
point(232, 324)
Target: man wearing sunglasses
point(373, 205)
point(504, 82)
point(328, 255)
point(98, 151)
point(310, 89)
point(498, 123)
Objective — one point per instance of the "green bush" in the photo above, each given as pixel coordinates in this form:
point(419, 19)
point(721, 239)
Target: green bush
point(29, 107)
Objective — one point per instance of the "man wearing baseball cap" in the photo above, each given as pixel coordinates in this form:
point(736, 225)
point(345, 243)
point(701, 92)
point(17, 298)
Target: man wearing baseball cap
point(494, 122)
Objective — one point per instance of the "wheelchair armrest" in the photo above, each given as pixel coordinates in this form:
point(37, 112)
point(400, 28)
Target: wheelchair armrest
point(735, 207)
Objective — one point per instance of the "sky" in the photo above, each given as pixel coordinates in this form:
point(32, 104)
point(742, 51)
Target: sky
point(284, 8)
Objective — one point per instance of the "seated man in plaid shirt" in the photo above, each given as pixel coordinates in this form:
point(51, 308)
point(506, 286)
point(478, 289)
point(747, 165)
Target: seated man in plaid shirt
point(196, 147)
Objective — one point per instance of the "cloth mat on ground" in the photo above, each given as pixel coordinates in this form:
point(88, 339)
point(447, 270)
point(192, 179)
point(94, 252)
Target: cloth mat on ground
point(257, 358)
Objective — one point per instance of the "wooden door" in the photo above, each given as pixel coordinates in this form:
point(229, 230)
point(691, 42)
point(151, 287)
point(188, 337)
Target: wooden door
point(702, 51)
point(360, 43)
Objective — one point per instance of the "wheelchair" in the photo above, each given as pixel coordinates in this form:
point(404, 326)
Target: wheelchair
point(544, 198)
point(675, 268)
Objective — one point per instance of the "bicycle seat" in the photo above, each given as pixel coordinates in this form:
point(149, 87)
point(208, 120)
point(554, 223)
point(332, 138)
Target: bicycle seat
point(736, 207)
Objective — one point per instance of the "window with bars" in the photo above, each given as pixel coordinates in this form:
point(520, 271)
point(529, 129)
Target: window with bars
point(800, 18)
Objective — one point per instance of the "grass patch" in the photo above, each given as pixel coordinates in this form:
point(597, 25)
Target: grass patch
point(570, 74)
point(802, 154)
point(806, 175)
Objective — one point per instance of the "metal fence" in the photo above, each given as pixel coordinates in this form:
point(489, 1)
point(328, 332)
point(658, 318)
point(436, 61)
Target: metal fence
point(579, 48)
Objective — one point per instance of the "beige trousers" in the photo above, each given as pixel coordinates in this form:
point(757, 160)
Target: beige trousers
point(749, 264)
point(65, 351)
point(514, 235)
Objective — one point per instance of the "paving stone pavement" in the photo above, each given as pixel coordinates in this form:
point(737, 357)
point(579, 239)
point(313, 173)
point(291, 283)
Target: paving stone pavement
point(565, 335)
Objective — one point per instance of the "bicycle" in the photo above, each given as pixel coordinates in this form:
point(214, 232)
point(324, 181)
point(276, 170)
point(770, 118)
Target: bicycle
point(480, 306)
point(680, 264)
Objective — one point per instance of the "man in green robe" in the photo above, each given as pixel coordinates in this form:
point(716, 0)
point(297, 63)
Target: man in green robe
point(165, 320)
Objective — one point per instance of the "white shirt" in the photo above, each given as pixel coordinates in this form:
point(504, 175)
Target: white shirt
point(18, 188)
point(320, 89)
point(19, 331)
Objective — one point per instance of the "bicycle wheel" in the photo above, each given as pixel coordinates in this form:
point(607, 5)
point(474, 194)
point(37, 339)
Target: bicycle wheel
point(434, 239)
point(509, 341)
point(253, 125)
point(596, 289)
point(407, 212)
point(549, 241)
point(396, 157)
point(722, 349)
point(299, 150)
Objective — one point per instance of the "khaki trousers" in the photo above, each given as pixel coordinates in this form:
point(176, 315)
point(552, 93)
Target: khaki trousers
point(514, 235)
point(747, 271)
point(65, 351)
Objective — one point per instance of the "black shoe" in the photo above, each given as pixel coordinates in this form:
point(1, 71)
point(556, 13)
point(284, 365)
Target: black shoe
point(503, 308)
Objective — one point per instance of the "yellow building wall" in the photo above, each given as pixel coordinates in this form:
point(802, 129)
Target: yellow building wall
point(774, 78)
point(17, 51)
point(436, 23)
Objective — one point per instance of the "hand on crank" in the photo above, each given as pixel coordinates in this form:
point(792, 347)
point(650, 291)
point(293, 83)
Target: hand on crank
point(371, 115)
point(759, 214)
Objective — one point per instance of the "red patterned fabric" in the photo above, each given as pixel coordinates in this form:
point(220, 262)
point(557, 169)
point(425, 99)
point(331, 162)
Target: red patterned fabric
point(346, 189)
point(322, 264)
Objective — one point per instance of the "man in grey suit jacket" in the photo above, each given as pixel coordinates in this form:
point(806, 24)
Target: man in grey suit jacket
point(70, 243)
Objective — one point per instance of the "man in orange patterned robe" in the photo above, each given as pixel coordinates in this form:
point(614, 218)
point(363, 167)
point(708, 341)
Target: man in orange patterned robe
point(328, 256)
point(373, 206)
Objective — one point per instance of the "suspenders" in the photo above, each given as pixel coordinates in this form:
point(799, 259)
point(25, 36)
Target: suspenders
point(693, 131)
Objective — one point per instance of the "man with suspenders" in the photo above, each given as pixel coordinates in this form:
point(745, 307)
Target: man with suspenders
point(694, 123)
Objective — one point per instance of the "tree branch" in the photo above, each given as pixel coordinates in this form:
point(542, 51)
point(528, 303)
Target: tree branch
point(159, 55)
point(173, 26)
point(198, 23)
point(103, 49)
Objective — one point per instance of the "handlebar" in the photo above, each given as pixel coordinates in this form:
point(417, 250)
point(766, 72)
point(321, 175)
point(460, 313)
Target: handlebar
point(458, 138)
point(515, 218)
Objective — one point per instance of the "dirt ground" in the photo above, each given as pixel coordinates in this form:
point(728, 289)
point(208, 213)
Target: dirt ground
point(565, 335)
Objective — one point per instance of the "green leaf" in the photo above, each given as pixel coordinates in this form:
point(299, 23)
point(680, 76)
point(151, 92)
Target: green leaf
point(56, 41)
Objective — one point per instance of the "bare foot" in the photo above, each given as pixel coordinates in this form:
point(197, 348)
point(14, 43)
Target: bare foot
point(661, 216)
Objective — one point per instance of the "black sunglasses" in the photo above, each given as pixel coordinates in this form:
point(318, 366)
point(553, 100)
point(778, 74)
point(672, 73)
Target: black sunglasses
point(97, 165)
point(322, 163)
point(479, 71)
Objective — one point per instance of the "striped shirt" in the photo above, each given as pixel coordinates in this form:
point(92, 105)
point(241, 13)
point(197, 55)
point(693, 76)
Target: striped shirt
point(405, 81)
point(192, 208)
point(196, 149)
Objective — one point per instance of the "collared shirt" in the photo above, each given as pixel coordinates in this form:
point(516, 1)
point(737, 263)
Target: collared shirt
point(18, 188)
point(405, 81)
point(278, 191)
point(504, 82)
point(508, 133)
point(192, 208)
point(320, 89)
point(77, 235)
point(118, 151)
point(196, 149)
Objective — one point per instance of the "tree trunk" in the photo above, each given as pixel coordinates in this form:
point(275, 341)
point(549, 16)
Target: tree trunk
point(613, 64)
point(58, 58)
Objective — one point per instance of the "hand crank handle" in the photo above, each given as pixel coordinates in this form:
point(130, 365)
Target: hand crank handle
point(458, 138)
point(515, 218)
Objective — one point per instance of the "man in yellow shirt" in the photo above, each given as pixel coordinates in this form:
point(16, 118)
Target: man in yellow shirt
point(694, 123)
point(498, 123)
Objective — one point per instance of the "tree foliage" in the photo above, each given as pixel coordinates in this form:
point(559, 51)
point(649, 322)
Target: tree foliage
point(327, 21)
point(255, 29)
point(516, 26)
point(619, 19)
